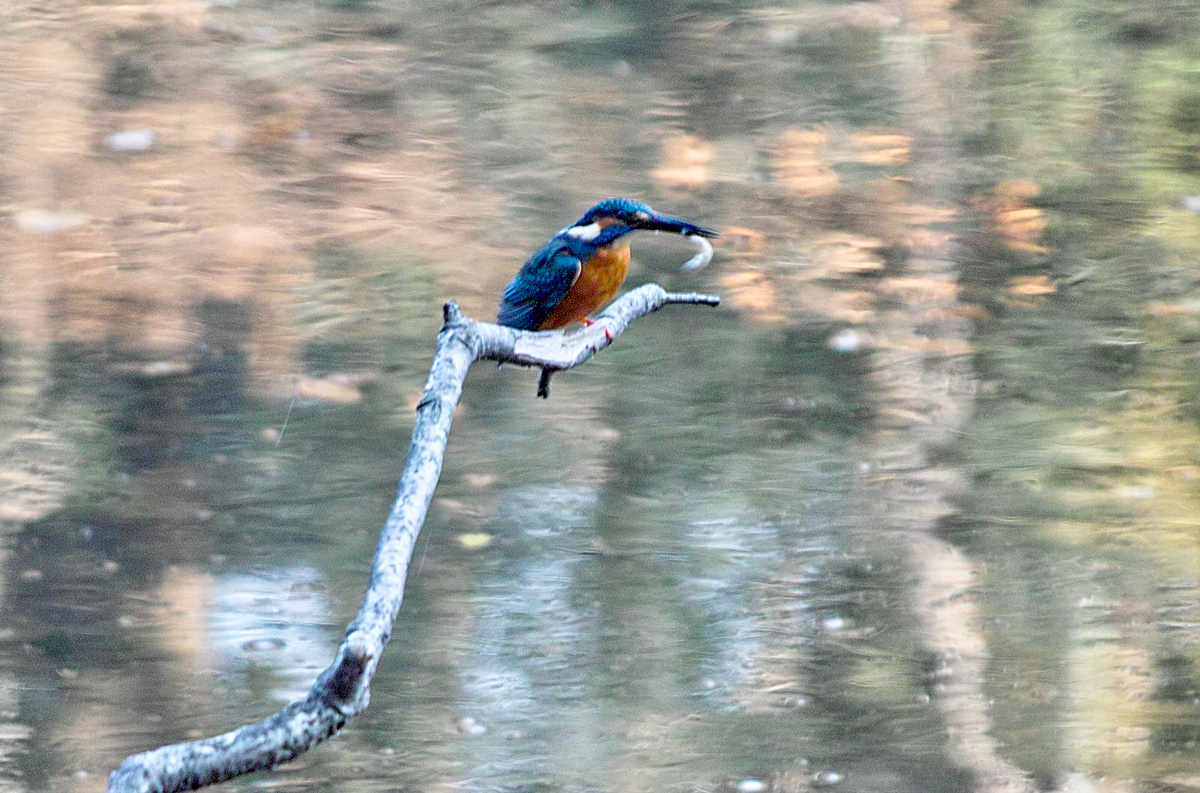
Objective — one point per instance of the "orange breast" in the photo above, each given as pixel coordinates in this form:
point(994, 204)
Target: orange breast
point(599, 279)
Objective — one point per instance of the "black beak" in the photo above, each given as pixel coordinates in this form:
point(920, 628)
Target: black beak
point(676, 226)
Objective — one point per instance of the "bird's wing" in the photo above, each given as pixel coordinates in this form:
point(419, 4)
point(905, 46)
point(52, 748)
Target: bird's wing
point(540, 285)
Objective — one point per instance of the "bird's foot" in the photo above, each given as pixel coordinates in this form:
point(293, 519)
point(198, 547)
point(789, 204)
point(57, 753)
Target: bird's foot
point(587, 323)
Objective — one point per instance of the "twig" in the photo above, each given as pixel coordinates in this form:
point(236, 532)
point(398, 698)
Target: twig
point(342, 691)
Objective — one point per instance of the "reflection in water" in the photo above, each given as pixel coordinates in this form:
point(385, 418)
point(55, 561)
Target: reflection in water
point(913, 511)
point(276, 621)
point(527, 677)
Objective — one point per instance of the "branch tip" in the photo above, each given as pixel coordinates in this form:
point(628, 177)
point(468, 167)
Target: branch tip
point(695, 298)
point(451, 313)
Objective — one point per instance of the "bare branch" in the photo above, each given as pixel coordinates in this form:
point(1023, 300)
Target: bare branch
point(342, 691)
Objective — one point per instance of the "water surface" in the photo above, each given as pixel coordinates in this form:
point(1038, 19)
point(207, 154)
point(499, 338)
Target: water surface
point(912, 511)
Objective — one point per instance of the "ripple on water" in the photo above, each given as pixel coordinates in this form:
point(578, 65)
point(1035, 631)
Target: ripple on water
point(276, 619)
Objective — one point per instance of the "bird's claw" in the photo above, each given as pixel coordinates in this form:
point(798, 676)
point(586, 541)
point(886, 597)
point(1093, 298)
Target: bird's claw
point(587, 323)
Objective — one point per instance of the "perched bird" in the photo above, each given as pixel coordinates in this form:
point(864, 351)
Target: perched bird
point(581, 268)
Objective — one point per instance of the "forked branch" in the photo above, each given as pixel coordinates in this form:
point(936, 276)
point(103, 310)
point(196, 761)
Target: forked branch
point(342, 691)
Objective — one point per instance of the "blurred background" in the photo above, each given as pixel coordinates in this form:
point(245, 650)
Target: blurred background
point(913, 510)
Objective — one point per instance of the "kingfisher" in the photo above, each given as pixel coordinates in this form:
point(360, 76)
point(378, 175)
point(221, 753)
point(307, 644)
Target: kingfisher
point(582, 266)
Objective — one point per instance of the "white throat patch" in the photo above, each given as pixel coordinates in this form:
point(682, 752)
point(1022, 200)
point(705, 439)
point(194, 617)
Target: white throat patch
point(586, 233)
